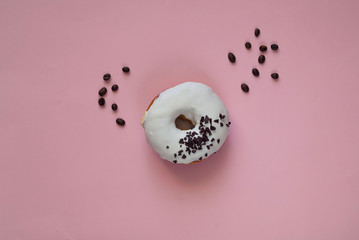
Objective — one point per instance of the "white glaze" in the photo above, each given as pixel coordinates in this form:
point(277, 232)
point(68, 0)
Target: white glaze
point(193, 100)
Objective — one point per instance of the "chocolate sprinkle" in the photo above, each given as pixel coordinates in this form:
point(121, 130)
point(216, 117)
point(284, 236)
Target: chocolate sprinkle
point(275, 75)
point(174, 161)
point(216, 121)
point(231, 57)
point(120, 121)
point(261, 59)
point(200, 158)
point(248, 45)
point(255, 72)
point(221, 124)
point(184, 156)
point(175, 155)
point(263, 48)
point(245, 87)
point(274, 47)
point(101, 101)
point(167, 147)
point(114, 106)
point(102, 91)
point(257, 32)
point(126, 69)
point(206, 154)
point(218, 140)
point(106, 77)
point(114, 87)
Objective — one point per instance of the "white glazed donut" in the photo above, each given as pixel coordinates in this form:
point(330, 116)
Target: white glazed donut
point(190, 101)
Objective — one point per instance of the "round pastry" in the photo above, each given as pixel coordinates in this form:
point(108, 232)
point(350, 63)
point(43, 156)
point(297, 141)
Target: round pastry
point(186, 123)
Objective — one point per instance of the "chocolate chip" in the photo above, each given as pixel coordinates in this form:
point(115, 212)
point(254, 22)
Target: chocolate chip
point(106, 77)
point(101, 101)
point(229, 123)
point(200, 158)
point(216, 121)
point(114, 87)
point(275, 75)
point(257, 32)
point(114, 106)
point(255, 72)
point(212, 140)
point(213, 128)
point(263, 48)
point(183, 156)
point(174, 161)
point(167, 147)
point(248, 45)
point(261, 59)
point(221, 124)
point(231, 57)
point(175, 155)
point(102, 91)
point(218, 140)
point(206, 154)
point(126, 69)
point(274, 47)
point(120, 121)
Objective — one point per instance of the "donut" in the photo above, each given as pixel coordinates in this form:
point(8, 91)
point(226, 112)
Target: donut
point(186, 124)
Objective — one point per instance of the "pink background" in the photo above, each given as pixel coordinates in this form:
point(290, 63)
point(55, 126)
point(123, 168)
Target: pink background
point(289, 169)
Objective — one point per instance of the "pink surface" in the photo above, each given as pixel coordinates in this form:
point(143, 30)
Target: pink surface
point(289, 169)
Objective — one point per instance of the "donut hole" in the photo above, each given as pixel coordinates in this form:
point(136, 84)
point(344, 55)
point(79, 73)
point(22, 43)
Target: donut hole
point(184, 123)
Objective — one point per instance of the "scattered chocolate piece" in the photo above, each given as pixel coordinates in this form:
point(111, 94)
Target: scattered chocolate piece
point(218, 140)
point(213, 128)
point(248, 45)
point(255, 72)
point(101, 101)
point(174, 161)
point(102, 91)
point(167, 147)
point(114, 87)
point(206, 154)
point(114, 106)
point(183, 156)
point(245, 88)
point(221, 124)
point(263, 48)
point(120, 121)
point(231, 57)
point(275, 75)
point(200, 158)
point(261, 59)
point(229, 123)
point(216, 121)
point(257, 32)
point(274, 47)
point(175, 155)
point(106, 77)
point(212, 140)
point(126, 69)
